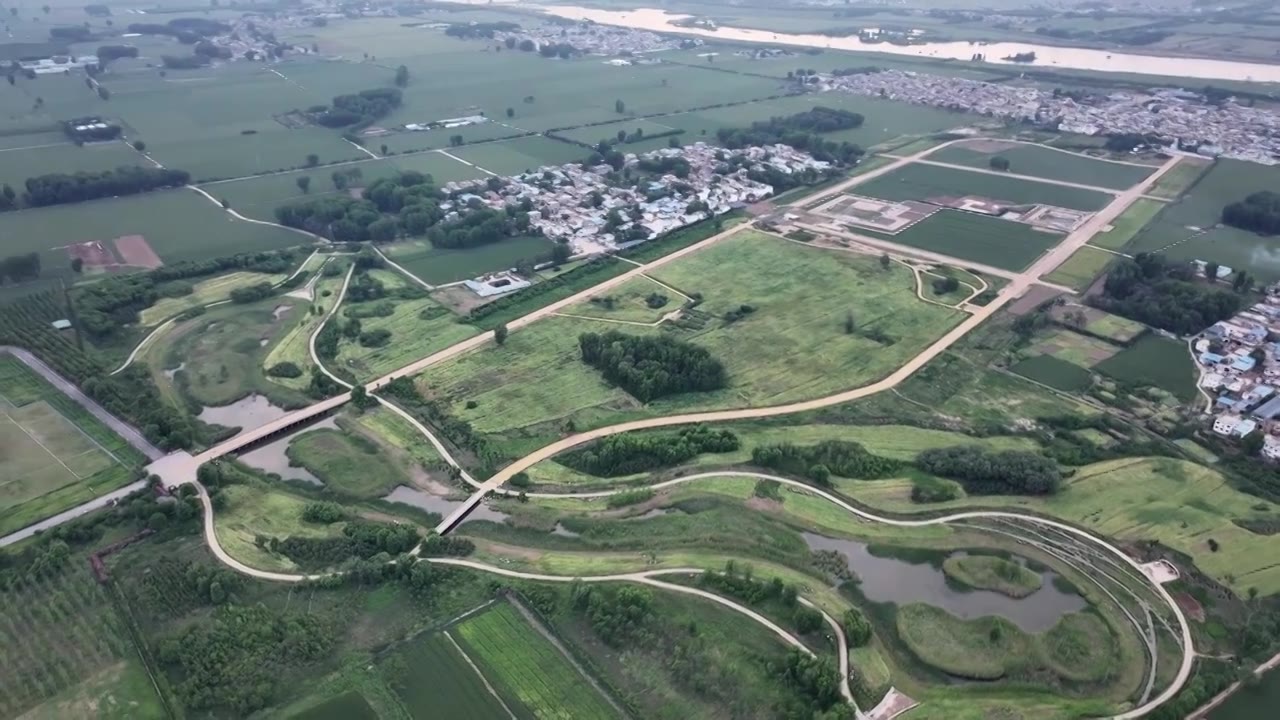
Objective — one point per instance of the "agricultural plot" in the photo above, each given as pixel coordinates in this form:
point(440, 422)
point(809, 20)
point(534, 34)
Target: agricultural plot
point(418, 325)
point(17, 165)
point(1119, 330)
point(433, 679)
point(1172, 184)
point(439, 266)
point(1124, 228)
point(61, 638)
point(1075, 348)
point(1081, 268)
point(922, 182)
point(511, 157)
point(980, 238)
point(1041, 161)
point(1054, 372)
point(1190, 228)
point(1154, 360)
point(53, 453)
point(527, 669)
point(792, 346)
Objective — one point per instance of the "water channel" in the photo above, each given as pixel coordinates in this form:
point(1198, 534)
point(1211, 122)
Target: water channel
point(443, 505)
point(891, 580)
point(1047, 56)
point(255, 410)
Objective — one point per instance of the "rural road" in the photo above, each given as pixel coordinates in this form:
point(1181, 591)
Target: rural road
point(84, 508)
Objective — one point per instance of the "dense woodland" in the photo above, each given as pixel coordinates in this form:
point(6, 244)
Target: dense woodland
point(1259, 212)
point(983, 472)
point(1164, 294)
point(61, 188)
point(359, 109)
point(19, 268)
point(652, 367)
point(819, 462)
point(630, 453)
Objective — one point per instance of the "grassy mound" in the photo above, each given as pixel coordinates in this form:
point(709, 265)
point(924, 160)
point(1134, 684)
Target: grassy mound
point(984, 572)
point(347, 462)
point(1080, 648)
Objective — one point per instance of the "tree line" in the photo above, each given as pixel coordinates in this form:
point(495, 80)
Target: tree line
point(630, 453)
point(652, 367)
point(361, 109)
point(801, 131)
point(1161, 293)
point(61, 188)
point(819, 462)
point(20, 268)
point(983, 472)
point(1259, 213)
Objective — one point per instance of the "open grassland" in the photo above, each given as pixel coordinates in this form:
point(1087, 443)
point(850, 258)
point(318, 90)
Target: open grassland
point(1154, 360)
point(254, 510)
point(1179, 504)
point(1189, 229)
point(525, 667)
point(220, 355)
point(432, 678)
point(418, 327)
point(1076, 348)
point(350, 705)
point(1054, 372)
point(1078, 648)
point(792, 346)
point(921, 182)
point(202, 293)
point(1178, 180)
point(294, 344)
point(394, 430)
point(66, 653)
point(511, 157)
point(1047, 163)
point(438, 266)
point(1079, 270)
point(629, 302)
point(987, 572)
point(1124, 228)
point(16, 166)
point(53, 453)
point(348, 462)
point(980, 238)
point(1120, 330)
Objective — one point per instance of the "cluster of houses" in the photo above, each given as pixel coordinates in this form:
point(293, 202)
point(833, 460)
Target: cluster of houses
point(1240, 369)
point(575, 203)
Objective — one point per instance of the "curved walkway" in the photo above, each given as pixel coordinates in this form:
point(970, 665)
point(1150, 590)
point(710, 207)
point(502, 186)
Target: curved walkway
point(238, 216)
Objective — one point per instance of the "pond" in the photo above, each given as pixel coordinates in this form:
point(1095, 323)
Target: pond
point(248, 412)
point(1251, 702)
point(272, 457)
point(443, 505)
point(892, 580)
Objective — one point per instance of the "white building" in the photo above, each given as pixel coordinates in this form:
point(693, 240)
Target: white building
point(1226, 424)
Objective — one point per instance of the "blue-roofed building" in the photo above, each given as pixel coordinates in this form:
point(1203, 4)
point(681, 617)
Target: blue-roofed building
point(1243, 364)
point(1210, 358)
point(1268, 410)
point(1227, 400)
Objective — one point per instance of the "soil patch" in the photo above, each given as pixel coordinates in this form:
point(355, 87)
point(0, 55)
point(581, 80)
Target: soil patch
point(95, 256)
point(136, 252)
point(1033, 298)
point(1190, 606)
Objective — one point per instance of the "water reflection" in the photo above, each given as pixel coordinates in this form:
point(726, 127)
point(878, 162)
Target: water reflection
point(272, 457)
point(901, 582)
point(247, 412)
point(443, 505)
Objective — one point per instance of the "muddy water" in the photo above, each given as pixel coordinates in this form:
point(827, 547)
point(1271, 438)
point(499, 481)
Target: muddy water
point(443, 505)
point(271, 458)
point(891, 580)
point(247, 412)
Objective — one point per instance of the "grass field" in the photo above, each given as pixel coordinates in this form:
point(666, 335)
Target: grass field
point(394, 430)
point(524, 666)
point(203, 293)
point(17, 165)
point(628, 302)
point(1076, 348)
point(797, 345)
point(253, 510)
point(1079, 270)
point(986, 572)
point(432, 679)
point(1054, 372)
point(920, 182)
point(66, 653)
point(1124, 228)
point(511, 157)
point(418, 327)
point(294, 344)
point(1189, 228)
point(980, 238)
point(1047, 163)
point(347, 462)
point(350, 705)
point(440, 266)
point(1175, 182)
point(1117, 329)
point(53, 453)
point(1154, 360)
point(1179, 504)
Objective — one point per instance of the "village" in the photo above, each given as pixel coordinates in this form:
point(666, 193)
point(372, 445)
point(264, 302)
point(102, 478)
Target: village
point(1178, 117)
point(578, 205)
point(1239, 366)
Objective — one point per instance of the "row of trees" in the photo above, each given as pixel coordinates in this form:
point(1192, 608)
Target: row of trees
point(360, 539)
point(652, 367)
point(630, 453)
point(819, 462)
point(802, 132)
point(19, 268)
point(1259, 212)
point(59, 188)
point(362, 108)
point(982, 472)
point(1161, 293)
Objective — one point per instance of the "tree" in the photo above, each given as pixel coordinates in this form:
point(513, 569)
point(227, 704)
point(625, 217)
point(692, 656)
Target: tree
point(500, 334)
point(383, 148)
point(313, 160)
point(999, 162)
point(1253, 442)
point(77, 264)
point(402, 76)
point(619, 106)
point(139, 146)
point(1211, 271)
point(511, 112)
point(560, 253)
point(849, 325)
point(1242, 282)
point(361, 398)
point(885, 261)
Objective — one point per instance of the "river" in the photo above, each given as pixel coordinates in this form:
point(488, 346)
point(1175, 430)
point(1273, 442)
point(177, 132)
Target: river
point(1047, 56)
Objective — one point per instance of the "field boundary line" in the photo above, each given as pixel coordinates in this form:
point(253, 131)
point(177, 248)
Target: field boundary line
point(35, 440)
point(479, 674)
point(363, 149)
point(403, 270)
point(85, 434)
point(451, 156)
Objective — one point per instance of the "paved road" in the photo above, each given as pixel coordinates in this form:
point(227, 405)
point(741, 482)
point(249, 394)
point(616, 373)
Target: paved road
point(1016, 176)
point(83, 509)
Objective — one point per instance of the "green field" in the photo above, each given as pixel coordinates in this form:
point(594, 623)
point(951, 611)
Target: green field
point(1119, 330)
point(921, 182)
point(511, 157)
point(253, 510)
point(1040, 161)
point(1056, 373)
point(17, 165)
point(985, 572)
point(1175, 182)
point(440, 266)
point(791, 347)
point(294, 344)
point(1189, 228)
point(434, 680)
point(980, 238)
point(1079, 270)
point(1154, 360)
point(214, 289)
point(526, 668)
point(1125, 227)
point(53, 453)
point(628, 302)
point(348, 462)
point(350, 705)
